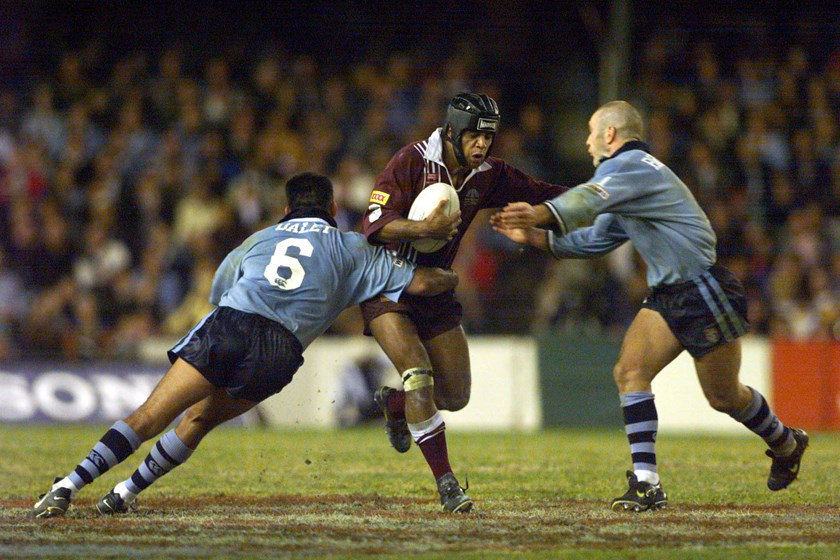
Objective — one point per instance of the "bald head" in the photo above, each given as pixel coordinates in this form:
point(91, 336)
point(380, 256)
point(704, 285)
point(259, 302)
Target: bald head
point(612, 125)
point(623, 117)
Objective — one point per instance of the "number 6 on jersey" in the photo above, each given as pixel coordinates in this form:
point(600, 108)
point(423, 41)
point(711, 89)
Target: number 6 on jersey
point(281, 259)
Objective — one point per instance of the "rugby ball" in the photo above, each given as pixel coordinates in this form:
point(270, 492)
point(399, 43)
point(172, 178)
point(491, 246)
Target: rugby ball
point(426, 201)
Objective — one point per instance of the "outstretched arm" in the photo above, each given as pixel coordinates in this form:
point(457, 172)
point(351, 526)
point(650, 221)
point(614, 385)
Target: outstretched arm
point(522, 215)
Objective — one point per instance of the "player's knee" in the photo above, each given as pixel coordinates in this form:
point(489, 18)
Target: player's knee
point(626, 377)
point(144, 423)
point(198, 421)
point(452, 402)
point(722, 400)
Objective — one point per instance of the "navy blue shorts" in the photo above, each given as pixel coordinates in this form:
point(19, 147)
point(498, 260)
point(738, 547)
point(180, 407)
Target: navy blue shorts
point(250, 356)
point(703, 313)
point(432, 315)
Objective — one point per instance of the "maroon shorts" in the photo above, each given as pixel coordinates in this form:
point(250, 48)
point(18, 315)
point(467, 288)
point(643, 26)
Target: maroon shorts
point(432, 316)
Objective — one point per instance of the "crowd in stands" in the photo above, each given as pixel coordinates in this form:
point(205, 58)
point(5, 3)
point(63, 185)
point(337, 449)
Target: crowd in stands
point(123, 183)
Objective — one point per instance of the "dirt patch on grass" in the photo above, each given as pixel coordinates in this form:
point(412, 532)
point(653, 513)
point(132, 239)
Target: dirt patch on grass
point(373, 525)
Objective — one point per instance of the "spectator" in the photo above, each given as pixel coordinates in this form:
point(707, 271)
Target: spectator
point(135, 133)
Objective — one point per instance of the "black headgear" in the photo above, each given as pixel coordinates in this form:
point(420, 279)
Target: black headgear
point(470, 111)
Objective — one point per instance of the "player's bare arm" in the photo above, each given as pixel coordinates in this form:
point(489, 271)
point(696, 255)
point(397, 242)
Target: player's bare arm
point(437, 225)
point(432, 281)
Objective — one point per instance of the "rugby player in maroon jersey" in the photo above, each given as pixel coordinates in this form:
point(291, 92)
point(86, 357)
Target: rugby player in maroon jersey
point(423, 336)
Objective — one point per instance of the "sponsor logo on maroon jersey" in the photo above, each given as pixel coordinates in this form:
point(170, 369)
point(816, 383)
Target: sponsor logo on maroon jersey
point(379, 197)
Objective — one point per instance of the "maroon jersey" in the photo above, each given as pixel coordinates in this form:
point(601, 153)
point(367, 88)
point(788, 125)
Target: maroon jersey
point(414, 167)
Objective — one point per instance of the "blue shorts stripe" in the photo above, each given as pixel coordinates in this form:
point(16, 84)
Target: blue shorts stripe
point(183, 342)
point(719, 315)
point(735, 319)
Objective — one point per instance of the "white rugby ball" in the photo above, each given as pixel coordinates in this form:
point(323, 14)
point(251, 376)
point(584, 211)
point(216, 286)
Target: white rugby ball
point(426, 201)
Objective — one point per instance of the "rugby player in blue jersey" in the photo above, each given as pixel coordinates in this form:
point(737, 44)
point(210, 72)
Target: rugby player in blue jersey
point(694, 304)
point(275, 294)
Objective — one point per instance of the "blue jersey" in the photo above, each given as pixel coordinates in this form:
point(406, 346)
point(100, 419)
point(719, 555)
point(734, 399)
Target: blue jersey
point(633, 196)
point(303, 272)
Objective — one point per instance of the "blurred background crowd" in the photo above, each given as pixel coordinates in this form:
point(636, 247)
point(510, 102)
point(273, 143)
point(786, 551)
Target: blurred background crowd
point(134, 155)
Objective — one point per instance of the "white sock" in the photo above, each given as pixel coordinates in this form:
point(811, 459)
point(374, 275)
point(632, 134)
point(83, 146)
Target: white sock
point(127, 495)
point(66, 483)
point(651, 477)
point(427, 429)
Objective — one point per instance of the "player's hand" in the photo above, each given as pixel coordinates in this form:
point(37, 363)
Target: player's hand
point(516, 215)
point(441, 226)
point(518, 235)
point(525, 236)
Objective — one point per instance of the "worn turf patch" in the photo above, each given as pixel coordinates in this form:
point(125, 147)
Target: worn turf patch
point(264, 494)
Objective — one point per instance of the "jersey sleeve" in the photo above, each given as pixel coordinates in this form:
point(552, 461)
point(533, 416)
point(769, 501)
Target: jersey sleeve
point(393, 191)
point(226, 275)
point(604, 235)
point(514, 185)
point(614, 185)
point(377, 270)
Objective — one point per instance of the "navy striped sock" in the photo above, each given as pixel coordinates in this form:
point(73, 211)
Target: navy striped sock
point(641, 424)
point(167, 453)
point(760, 420)
point(115, 446)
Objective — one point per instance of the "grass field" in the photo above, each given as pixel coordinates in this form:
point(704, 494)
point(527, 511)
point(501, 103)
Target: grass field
point(249, 492)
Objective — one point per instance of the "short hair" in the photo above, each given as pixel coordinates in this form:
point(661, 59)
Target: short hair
point(309, 190)
point(625, 118)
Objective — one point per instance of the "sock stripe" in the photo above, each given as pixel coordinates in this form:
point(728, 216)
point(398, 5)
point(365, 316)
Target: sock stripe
point(782, 439)
point(641, 431)
point(131, 486)
point(430, 435)
point(115, 446)
point(162, 457)
point(106, 453)
point(174, 448)
point(89, 465)
point(762, 421)
point(760, 416)
point(640, 412)
point(118, 444)
point(766, 425)
point(167, 453)
point(643, 447)
point(139, 482)
point(83, 474)
point(641, 424)
point(646, 458)
point(427, 429)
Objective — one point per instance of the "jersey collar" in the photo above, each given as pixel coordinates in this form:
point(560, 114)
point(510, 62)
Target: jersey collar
point(309, 213)
point(626, 147)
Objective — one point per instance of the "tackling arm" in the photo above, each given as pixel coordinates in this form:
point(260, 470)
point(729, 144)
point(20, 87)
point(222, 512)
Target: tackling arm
point(432, 281)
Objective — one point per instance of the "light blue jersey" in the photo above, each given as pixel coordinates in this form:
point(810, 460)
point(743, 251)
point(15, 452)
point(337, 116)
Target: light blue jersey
point(633, 196)
point(303, 272)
